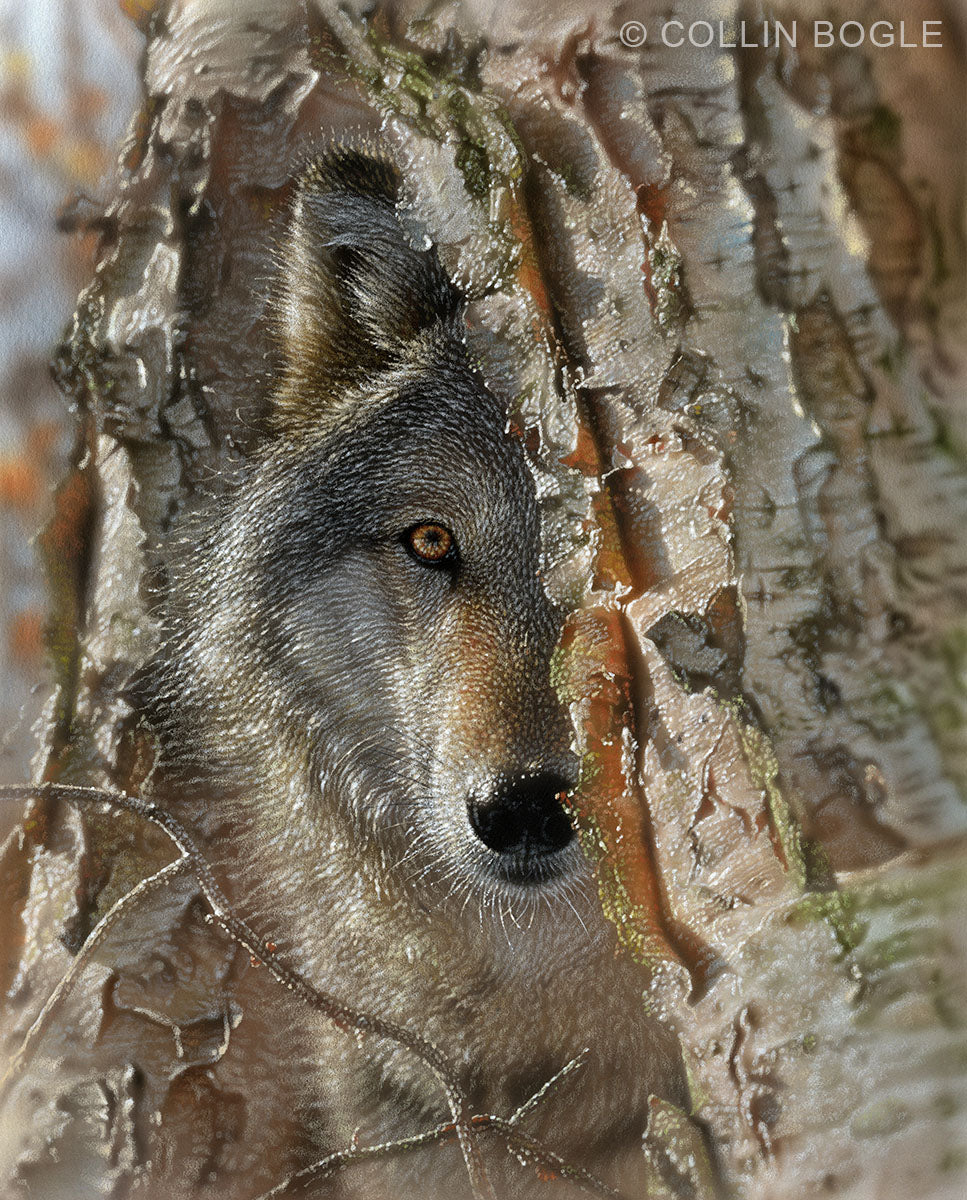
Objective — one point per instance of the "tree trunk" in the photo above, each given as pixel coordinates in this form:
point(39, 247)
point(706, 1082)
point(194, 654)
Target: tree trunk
point(721, 293)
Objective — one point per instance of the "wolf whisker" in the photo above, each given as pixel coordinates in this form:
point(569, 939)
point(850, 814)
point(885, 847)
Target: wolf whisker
point(567, 900)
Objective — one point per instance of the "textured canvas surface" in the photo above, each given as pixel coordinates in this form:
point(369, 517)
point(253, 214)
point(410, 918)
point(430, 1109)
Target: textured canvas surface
point(720, 293)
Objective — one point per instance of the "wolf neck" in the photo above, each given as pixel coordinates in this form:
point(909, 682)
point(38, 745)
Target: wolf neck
point(501, 1000)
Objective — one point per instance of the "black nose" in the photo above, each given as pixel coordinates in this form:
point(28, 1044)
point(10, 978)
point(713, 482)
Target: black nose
point(524, 815)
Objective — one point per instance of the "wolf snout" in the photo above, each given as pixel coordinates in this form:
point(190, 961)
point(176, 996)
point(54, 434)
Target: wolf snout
point(524, 816)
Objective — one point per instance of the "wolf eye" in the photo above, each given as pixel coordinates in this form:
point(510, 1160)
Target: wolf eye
point(432, 544)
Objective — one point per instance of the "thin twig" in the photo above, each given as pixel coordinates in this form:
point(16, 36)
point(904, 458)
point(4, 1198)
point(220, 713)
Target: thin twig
point(529, 1152)
point(542, 1092)
point(526, 1150)
point(332, 1163)
point(67, 981)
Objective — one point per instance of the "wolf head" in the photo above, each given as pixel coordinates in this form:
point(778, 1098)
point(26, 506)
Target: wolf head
point(363, 629)
point(356, 684)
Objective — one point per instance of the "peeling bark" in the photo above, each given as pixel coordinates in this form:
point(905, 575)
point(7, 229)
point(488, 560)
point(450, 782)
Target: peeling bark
point(722, 296)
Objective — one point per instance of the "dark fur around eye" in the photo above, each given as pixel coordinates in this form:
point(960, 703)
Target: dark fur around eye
point(431, 545)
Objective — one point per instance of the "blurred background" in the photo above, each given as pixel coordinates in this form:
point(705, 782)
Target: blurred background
point(68, 88)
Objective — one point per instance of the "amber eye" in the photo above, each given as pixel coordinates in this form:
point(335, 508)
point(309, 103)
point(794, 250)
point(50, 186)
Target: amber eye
point(431, 543)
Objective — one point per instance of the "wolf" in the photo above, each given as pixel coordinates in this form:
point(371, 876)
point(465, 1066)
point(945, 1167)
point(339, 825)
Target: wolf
point(356, 677)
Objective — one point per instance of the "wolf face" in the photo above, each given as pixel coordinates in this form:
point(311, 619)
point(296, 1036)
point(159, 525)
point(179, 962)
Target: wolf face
point(358, 671)
point(385, 553)
point(395, 627)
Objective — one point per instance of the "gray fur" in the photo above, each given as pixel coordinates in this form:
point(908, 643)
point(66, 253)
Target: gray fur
point(337, 705)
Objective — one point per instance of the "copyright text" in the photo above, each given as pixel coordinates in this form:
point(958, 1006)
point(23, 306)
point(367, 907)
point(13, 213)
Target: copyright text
point(726, 35)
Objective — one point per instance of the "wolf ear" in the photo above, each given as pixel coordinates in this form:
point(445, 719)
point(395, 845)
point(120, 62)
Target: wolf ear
point(354, 296)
